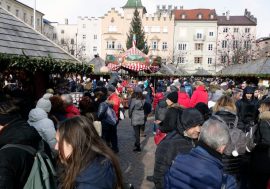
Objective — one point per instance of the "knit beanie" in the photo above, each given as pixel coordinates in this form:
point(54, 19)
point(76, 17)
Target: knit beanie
point(45, 103)
point(173, 96)
point(191, 117)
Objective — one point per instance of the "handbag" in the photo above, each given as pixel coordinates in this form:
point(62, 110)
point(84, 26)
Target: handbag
point(159, 136)
point(110, 117)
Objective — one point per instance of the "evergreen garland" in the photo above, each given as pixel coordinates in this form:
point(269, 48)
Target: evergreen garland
point(137, 29)
point(46, 64)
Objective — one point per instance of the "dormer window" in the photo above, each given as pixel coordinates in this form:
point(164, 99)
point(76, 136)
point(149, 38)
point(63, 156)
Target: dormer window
point(211, 16)
point(183, 16)
point(200, 16)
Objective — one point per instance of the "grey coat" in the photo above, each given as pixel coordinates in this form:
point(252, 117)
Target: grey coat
point(136, 112)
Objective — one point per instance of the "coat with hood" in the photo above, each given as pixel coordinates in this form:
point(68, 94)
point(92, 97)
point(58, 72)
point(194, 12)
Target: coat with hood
point(99, 174)
point(158, 97)
point(38, 118)
point(136, 112)
point(16, 164)
point(247, 109)
point(183, 99)
point(199, 95)
point(175, 142)
point(232, 165)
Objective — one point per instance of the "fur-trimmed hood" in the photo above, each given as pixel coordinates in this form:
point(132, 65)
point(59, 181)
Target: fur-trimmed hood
point(265, 115)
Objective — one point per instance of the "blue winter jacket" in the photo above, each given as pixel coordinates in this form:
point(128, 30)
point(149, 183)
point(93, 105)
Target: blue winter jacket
point(197, 170)
point(98, 175)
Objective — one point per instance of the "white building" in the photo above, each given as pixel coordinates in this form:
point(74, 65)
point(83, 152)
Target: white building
point(24, 13)
point(236, 42)
point(195, 35)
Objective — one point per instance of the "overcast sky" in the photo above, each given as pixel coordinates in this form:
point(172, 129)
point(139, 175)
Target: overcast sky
point(58, 10)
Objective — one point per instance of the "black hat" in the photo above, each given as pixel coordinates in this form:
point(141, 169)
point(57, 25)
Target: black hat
point(266, 100)
point(191, 117)
point(249, 90)
point(173, 96)
point(203, 108)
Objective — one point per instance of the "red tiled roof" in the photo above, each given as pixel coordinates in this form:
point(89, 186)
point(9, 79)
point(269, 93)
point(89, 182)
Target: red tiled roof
point(235, 20)
point(192, 14)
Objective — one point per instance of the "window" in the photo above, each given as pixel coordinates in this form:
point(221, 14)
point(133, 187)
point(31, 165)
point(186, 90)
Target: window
point(235, 30)
point(199, 35)
point(165, 29)
point(247, 30)
point(211, 34)
point(84, 25)
point(112, 29)
point(62, 31)
point(235, 44)
point(183, 16)
point(225, 30)
point(155, 29)
point(38, 22)
point(32, 21)
point(182, 46)
point(224, 44)
point(8, 8)
point(17, 13)
point(72, 52)
point(210, 60)
point(154, 45)
point(24, 17)
point(62, 41)
point(83, 48)
point(180, 60)
point(164, 46)
point(72, 41)
point(210, 47)
point(200, 16)
point(245, 59)
point(84, 37)
point(119, 46)
point(223, 59)
point(54, 35)
point(211, 16)
point(247, 45)
point(95, 36)
point(110, 44)
point(198, 46)
point(94, 49)
point(198, 60)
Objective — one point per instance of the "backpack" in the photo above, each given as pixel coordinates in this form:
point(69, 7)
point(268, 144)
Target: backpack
point(239, 140)
point(42, 175)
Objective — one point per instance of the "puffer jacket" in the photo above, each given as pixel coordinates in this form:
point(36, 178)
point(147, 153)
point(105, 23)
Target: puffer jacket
point(38, 118)
point(158, 97)
point(99, 174)
point(199, 95)
point(183, 99)
point(170, 120)
point(16, 164)
point(196, 170)
point(232, 165)
point(136, 112)
point(161, 110)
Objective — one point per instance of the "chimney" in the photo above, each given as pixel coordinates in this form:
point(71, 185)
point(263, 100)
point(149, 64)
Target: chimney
point(228, 15)
point(66, 21)
point(223, 14)
point(181, 7)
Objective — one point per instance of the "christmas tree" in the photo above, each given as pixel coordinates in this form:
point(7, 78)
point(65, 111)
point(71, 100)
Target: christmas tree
point(137, 30)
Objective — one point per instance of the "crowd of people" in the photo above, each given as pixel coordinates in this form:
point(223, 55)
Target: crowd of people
point(210, 133)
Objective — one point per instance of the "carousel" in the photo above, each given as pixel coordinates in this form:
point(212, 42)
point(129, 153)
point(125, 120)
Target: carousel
point(133, 61)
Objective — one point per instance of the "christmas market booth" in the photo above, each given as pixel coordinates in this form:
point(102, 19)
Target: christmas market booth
point(133, 61)
point(28, 59)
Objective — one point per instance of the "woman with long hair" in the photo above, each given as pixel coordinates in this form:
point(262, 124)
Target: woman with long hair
point(87, 161)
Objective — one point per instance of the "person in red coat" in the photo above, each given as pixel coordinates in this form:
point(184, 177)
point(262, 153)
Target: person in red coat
point(183, 98)
point(70, 108)
point(158, 97)
point(199, 95)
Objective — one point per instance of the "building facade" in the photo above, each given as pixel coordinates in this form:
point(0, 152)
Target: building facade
point(24, 13)
point(236, 42)
point(195, 35)
point(263, 47)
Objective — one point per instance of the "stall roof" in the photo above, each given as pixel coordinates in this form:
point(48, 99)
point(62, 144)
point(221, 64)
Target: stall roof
point(98, 63)
point(17, 38)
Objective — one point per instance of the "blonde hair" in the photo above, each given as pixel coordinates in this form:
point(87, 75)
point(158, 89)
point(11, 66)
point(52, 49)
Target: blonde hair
point(225, 102)
point(264, 107)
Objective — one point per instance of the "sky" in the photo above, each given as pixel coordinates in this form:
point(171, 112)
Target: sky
point(58, 10)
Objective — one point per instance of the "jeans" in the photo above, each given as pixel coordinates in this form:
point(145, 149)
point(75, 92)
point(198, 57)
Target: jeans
point(137, 130)
point(109, 134)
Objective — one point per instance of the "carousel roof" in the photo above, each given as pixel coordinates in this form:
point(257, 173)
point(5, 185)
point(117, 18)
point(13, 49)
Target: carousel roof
point(17, 38)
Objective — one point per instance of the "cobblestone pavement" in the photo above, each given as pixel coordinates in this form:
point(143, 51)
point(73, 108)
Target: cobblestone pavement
point(136, 166)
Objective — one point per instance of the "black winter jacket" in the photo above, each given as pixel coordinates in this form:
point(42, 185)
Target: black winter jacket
point(231, 164)
point(16, 164)
point(170, 120)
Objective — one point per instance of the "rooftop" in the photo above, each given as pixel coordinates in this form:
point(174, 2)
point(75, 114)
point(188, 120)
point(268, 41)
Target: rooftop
point(235, 20)
point(195, 14)
point(133, 4)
